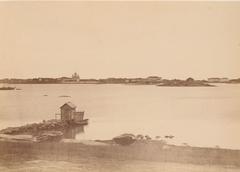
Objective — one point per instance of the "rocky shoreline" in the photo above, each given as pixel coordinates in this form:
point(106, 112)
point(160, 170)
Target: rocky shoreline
point(36, 128)
point(51, 130)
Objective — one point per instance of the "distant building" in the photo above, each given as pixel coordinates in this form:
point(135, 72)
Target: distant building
point(218, 80)
point(74, 79)
point(225, 79)
point(69, 113)
point(88, 81)
point(154, 78)
point(136, 80)
point(75, 76)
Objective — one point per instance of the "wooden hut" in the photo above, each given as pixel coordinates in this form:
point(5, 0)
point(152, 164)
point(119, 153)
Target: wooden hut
point(69, 113)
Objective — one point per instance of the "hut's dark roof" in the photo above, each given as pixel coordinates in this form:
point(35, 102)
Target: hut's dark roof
point(70, 104)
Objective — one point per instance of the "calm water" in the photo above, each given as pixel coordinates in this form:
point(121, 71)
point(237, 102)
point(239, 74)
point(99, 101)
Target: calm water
point(201, 116)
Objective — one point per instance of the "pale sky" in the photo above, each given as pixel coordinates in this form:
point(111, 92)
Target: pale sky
point(120, 39)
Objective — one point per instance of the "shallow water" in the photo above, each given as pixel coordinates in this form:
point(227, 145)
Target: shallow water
point(199, 116)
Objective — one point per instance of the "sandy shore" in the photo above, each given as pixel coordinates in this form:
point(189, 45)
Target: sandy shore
point(106, 156)
point(103, 165)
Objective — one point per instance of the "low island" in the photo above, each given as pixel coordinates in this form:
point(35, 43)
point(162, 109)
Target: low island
point(190, 82)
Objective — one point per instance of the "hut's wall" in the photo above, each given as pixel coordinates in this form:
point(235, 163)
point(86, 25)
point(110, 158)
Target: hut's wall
point(78, 116)
point(67, 113)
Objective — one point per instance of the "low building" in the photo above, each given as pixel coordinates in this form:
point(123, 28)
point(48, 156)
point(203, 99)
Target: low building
point(218, 80)
point(154, 78)
point(88, 81)
point(69, 113)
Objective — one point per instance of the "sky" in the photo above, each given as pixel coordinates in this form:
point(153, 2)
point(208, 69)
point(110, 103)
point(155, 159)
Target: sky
point(120, 39)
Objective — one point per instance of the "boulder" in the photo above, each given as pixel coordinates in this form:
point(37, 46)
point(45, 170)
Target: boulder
point(49, 136)
point(125, 139)
point(24, 138)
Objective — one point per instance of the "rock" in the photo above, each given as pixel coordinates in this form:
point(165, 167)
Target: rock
point(36, 128)
point(49, 136)
point(6, 137)
point(64, 96)
point(125, 139)
point(147, 137)
point(10, 130)
point(140, 137)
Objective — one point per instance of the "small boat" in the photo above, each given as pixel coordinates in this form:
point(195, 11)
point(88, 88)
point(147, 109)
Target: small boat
point(7, 88)
point(82, 122)
point(64, 96)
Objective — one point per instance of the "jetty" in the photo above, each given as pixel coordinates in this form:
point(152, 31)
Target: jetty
point(52, 129)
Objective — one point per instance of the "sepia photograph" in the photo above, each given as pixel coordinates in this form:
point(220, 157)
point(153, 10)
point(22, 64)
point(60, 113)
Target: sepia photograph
point(119, 86)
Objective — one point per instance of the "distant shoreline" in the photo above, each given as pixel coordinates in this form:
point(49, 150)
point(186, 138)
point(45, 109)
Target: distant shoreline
point(160, 84)
point(150, 80)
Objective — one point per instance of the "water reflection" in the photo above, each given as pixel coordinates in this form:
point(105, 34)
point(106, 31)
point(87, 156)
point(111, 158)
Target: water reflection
point(71, 132)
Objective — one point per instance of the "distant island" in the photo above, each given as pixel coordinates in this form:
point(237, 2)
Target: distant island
point(150, 80)
point(190, 82)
